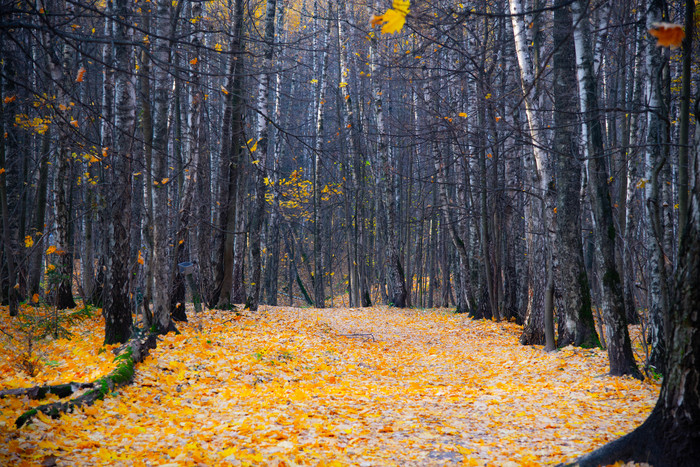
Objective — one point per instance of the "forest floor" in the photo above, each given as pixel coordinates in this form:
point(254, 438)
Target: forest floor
point(295, 386)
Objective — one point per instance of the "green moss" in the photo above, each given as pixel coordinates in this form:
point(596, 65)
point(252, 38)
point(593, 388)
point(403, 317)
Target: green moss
point(611, 232)
point(25, 417)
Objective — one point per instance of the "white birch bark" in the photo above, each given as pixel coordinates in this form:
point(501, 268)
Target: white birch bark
point(655, 163)
point(263, 118)
point(320, 101)
point(614, 313)
point(161, 261)
point(383, 175)
point(541, 214)
point(117, 307)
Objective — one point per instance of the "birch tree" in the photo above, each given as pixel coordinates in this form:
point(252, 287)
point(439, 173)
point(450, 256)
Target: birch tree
point(576, 324)
point(617, 335)
point(117, 306)
point(161, 261)
point(383, 175)
point(540, 178)
point(232, 140)
point(262, 142)
point(656, 162)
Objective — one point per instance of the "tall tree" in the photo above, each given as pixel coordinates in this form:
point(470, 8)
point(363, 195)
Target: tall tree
point(384, 176)
point(117, 308)
point(541, 214)
point(656, 163)
point(614, 312)
point(263, 109)
point(161, 262)
point(576, 324)
point(670, 436)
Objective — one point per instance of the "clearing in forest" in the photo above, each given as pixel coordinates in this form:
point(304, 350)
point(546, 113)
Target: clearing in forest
point(289, 386)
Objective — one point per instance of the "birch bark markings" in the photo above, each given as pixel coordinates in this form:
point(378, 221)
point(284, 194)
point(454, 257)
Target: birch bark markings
point(537, 167)
point(162, 80)
point(656, 162)
point(319, 295)
point(263, 117)
point(614, 313)
point(117, 306)
point(396, 282)
point(576, 324)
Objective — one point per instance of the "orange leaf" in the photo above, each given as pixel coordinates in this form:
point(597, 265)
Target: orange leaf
point(668, 34)
point(81, 75)
point(194, 61)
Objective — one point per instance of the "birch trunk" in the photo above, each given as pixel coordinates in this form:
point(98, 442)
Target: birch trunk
point(231, 141)
point(614, 313)
point(162, 79)
point(263, 118)
point(576, 326)
point(633, 204)
point(537, 167)
point(384, 174)
point(656, 161)
point(117, 309)
point(273, 245)
point(320, 100)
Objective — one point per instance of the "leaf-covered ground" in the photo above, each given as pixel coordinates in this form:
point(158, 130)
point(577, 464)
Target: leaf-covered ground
point(288, 386)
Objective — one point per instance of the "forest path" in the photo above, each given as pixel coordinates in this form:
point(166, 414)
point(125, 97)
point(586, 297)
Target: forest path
point(375, 386)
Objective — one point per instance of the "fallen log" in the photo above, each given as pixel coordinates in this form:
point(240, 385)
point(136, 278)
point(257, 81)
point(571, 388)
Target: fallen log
point(40, 392)
point(128, 356)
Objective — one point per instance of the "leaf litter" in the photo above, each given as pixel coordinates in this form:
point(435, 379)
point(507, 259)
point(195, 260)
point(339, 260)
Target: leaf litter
point(293, 386)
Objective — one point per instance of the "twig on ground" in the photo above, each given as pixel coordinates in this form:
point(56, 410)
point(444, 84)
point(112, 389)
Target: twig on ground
point(360, 335)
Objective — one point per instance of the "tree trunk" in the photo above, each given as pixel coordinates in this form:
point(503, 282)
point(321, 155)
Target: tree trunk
point(163, 83)
point(576, 325)
point(117, 309)
point(320, 100)
point(7, 244)
point(540, 215)
point(656, 162)
point(231, 142)
point(263, 103)
point(614, 312)
point(384, 174)
point(670, 437)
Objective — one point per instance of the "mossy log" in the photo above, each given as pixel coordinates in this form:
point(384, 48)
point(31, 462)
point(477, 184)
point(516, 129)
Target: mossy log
point(128, 356)
point(41, 392)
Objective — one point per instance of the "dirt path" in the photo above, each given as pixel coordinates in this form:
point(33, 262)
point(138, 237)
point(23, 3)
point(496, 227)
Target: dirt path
point(351, 387)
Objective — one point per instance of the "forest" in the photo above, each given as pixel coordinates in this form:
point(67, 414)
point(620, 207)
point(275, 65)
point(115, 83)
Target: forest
point(528, 163)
